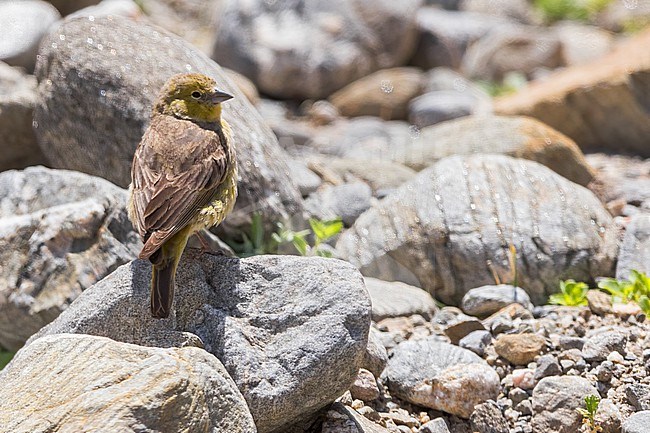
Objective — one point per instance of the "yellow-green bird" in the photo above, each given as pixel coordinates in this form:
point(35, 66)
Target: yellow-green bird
point(183, 177)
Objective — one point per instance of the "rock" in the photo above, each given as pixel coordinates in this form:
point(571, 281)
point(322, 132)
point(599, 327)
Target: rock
point(520, 137)
point(599, 302)
point(346, 201)
point(23, 24)
point(376, 357)
point(306, 180)
point(125, 8)
point(322, 113)
point(448, 229)
point(582, 43)
point(103, 107)
point(599, 346)
point(519, 349)
point(462, 328)
point(638, 395)
point(439, 106)
point(547, 365)
point(624, 16)
point(637, 422)
point(60, 232)
point(635, 249)
point(566, 343)
point(608, 416)
point(486, 300)
point(445, 35)
point(270, 42)
point(517, 10)
point(344, 419)
point(575, 100)
point(555, 400)
point(384, 94)
point(440, 376)
point(437, 425)
point(245, 85)
point(17, 100)
point(66, 7)
point(514, 48)
point(86, 383)
point(365, 386)
point(291, 331)
point(488, 418)
point(476, 341)
point(621, 178)
point(395, 299)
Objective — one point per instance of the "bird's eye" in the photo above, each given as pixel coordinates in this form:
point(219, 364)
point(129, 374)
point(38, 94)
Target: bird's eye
point(196, 94)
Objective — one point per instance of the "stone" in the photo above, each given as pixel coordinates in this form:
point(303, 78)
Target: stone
point(463, 327)
point(519, 137)
point(547, 365)
point(566, 343)
point(486, 300)
point(445, 35)
point(608, 416)
point(637, 422)
point(60, 232)
point(599, 302)
point(244, 84)
point(635, 249)
point(66, 7)
point(306, 180)
point(524, 378)
point(23, 24)
point(576, 99)
point(365, 386)
point(599, 346)
point(95, 103)
point(395, 299)
point(621, 179)
point(476, 341)
point(125, 8)
point(440, 376)
point(582, 43)
point(488, 418)
point(449, 229)
point(517, 10)
point(347, 202)
point(437, 425)
point(638, 395)
point(555, 400)
point(270, 42)
point(440, 106)
point(291, 331)
point(17, 101)
point(384, 94)
point(344, 419)
point(376, 357)
point(86, 383)
point(519, 349)
point(521, 49)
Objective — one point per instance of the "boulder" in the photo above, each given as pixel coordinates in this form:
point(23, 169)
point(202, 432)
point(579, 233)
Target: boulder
point(84, 383)
point(637, 422)
point(577, 99)
point(450, 229)
point(346, 201)
point(291, 331)
point(439, 106)
point(395, 299)
point(621, 179)
point(97, 82)
point(322, 46)
point(60, 232)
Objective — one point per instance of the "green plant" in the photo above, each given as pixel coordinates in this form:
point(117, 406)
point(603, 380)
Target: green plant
point(5, 357)
point(254, 242)
point(511, 83)
point(322, 231)
point(589, 413)
point(572, 294)
point(635, 289)
point(581, 10)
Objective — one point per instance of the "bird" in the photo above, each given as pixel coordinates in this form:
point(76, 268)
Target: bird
point(183, 177)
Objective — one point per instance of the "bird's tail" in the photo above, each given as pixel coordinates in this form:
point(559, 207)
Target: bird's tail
point(163, 275)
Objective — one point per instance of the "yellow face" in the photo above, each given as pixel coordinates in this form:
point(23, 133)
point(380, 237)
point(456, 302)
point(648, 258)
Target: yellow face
point(192, 97)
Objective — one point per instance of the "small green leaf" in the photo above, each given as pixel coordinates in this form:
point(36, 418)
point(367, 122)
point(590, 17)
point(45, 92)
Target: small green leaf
point(301, 245)
point(644, 303)
point(324, 230)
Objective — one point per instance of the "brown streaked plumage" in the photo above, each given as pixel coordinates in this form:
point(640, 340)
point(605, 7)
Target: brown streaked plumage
point(184, 177)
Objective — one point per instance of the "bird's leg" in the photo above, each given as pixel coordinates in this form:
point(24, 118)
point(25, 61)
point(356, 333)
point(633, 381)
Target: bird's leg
point(206, 247)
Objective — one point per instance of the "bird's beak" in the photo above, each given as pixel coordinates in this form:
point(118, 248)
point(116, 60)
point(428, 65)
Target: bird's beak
point(219, 96)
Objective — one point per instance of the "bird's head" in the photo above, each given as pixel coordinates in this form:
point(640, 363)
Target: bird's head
point(192, 97)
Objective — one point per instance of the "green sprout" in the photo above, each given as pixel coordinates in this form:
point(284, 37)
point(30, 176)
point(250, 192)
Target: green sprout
point(635, 289)
point(572, 294)
point(589, 413)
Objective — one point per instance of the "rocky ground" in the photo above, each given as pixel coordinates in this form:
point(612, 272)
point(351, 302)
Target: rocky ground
point(465, 146)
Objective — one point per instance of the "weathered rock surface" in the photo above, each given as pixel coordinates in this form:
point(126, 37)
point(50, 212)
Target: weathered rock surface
point(291, 331)
point(269, 42)
point(60, 232)
point(486, 300)
point(635, 250)
point(395, 299)
point(582, 43)
point(346, 201)
point(440, 106)
point(440, 376)
point(96, 89)
point(555, 400)
point(487, 418)
point(17, 99)
point(519, 349)
point(637, 422)
point(450, 228)
point(621, 179)
point(84, 383)
point(376, 357)
point(576, 100)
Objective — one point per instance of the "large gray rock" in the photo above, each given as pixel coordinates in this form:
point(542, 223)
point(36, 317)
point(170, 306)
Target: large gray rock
point(555, 400)
point(291, 331)
point(17, 99)
point(322, 46)
point(97, 82)
point(449, 230)
point(440, 376)
point(60, 232)
point(635, 250)
point(84, 383)
point(22, 26)
point(395, 299)
point(637, 422)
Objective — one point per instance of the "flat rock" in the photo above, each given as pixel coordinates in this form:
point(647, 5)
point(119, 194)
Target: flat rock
point(635, 249)
point(60, 232)
point(439, 106)
point(519, 349)
point(395, 299)
point(268, 42)
point(577, 99)
point(555, 400)
point(449, 229)
point(85, 383)
point(440, 376)
point(486, 300)
point(291, 331)
point(96, 88)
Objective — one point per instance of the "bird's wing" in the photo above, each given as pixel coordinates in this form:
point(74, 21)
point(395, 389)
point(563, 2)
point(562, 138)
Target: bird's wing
point(176, 168)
